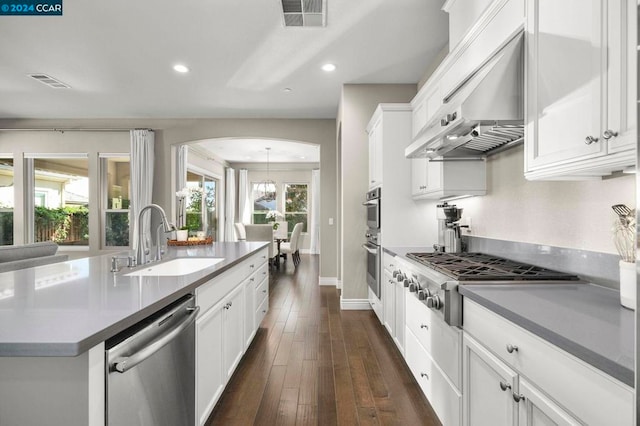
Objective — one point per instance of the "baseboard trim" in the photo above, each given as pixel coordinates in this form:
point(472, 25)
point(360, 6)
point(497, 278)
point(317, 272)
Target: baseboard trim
point(339, 284)
point(354, 304)
point(328, 281)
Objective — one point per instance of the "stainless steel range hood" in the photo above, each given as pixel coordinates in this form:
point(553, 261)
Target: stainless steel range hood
point(483, 114)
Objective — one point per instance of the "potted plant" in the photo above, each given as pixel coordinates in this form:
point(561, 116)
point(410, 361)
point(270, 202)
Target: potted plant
point(182, 234)
point(272, 216)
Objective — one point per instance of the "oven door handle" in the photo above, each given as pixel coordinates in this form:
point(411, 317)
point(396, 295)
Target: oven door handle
point(369, 249)
point(373, 202)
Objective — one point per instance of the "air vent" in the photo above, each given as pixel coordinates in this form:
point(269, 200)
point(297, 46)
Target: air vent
point(49, 81)
point(304, 13)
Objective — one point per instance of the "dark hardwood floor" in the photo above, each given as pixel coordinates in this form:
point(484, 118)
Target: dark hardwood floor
point(313, 364)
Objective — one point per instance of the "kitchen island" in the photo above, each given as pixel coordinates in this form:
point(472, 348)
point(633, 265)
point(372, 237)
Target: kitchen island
point(54, 320)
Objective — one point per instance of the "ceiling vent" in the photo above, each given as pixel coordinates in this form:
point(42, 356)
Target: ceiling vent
point(49, 81)
point(304, 13)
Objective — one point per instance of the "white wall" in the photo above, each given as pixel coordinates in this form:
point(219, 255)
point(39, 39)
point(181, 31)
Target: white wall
point(357, 106)
point(574, 214)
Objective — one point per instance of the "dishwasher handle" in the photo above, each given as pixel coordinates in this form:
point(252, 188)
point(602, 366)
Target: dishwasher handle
point(121, 365)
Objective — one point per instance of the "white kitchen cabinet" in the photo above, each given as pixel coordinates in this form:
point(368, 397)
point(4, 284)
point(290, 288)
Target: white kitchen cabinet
point(389, 303)
point(226, 324)
point(439, 179)
point(496, 395)
point(249, 291)
point(488, 384)
point(375, 154)
point(400, 312)
point(536, 409)
point(210, 379)
point(232, 329)
point(443, 397)
point(580, 119)
point(424, 107)
point(376, 305)
point(531, 359)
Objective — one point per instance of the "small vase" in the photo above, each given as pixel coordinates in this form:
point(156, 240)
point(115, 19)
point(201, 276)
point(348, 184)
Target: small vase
point(628, 284)
point(182, 234)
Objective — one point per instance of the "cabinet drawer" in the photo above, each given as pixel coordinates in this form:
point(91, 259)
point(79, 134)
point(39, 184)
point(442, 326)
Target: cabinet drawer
point(388, 262)
point(553, 370)
point(254, 263)
point(262, 291)
point(262, 310)
point(441, 341)
point(443, 397)
point(376, 305)
point(210, 293)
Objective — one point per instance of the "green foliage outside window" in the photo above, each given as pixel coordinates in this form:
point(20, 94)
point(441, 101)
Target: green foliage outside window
point(63, 225)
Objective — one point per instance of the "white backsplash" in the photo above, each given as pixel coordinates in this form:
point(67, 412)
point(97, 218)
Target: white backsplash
point(574, 214)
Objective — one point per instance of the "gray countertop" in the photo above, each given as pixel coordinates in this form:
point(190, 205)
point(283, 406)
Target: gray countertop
point(585, 320)
point(64, 309)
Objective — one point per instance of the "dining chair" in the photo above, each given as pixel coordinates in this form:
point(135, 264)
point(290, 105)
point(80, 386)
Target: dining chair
point(261, 232)
point(241, 233)
point(292, 247)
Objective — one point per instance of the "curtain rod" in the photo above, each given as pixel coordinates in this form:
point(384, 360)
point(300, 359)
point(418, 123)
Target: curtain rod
point(69, 129)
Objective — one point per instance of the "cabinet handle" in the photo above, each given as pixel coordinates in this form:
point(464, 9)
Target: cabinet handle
point(590, 139)
point(517, 397)
point(226, 306)
point(424, 326)
point(512, 348)
point(608, 134)
point(264, 291)
point(230, 304)
point(504, 386)
point(264, 311)
point(424, 375)
point(252, 266)
point(251, 279)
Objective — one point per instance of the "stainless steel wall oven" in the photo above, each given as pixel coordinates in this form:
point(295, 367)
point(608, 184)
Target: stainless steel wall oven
point(373, 209)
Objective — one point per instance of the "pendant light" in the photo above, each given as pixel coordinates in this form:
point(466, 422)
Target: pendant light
point(268, 186)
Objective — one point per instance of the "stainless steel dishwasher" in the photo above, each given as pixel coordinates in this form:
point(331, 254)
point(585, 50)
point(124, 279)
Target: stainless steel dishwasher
point(151, 369)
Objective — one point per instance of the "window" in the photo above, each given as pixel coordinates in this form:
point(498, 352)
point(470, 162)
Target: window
point(115, 183)
point(261, 203)
point(201, 204)
point(60, 199)
point(6, 201)
point(295, 204)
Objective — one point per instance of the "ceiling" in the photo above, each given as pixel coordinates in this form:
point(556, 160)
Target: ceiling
point(239, 150)
point(118, 55)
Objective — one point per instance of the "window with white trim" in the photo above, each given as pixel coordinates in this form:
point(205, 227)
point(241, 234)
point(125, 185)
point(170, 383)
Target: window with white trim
point(115, 183)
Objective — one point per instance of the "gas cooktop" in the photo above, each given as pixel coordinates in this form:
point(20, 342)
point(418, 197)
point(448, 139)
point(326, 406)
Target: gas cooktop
point(484, 267)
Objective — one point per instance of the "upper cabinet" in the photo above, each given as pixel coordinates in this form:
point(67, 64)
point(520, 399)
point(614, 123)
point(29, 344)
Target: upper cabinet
point(580, 119)
point(375, 153)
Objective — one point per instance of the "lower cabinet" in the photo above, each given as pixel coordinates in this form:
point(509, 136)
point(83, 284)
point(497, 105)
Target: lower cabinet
point(225, 326)
point(496, 395)
point(512, 377)
point(389, 303)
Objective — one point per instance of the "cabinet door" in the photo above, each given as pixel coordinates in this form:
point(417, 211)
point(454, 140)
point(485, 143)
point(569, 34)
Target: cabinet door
point(434, 176)
point(621, 75)
point(375, 154)
point(249, 310)
point(565, 65)
point(418, 176)
point(232, 329)
point(210, 377)
point(538, 410)
point(388, 303)
point(400, 315)
point(488, 385)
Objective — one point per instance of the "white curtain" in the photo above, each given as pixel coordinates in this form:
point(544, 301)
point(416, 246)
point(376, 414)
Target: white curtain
point(230, 206)
point(181, 179)
point(244, 192)
point(142, 157)
point(314, 227)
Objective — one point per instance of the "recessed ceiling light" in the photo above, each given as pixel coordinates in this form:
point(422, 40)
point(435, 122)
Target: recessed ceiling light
point(181, 68)
point(287, 90)
point(328, 67)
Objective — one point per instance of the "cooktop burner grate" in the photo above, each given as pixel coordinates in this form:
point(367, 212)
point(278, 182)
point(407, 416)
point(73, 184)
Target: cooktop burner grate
point(484, 267)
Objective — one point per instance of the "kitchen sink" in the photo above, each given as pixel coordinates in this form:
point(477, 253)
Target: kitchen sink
point(174, 267)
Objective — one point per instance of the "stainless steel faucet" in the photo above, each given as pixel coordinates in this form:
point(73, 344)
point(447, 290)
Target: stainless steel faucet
point(141, 254)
